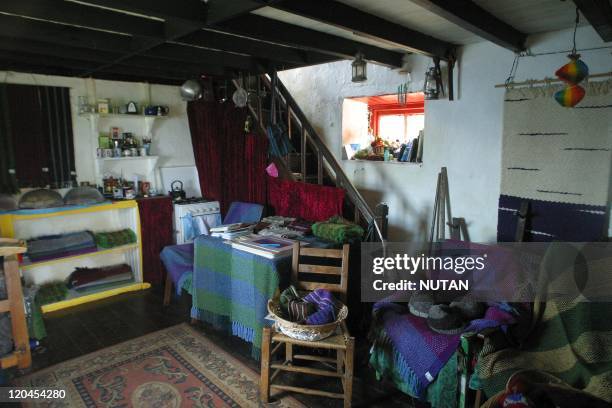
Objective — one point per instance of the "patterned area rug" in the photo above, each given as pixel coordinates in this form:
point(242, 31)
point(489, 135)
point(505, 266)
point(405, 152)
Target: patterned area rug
point(174, 367)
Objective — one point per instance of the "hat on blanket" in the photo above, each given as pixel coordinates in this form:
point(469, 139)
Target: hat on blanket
point(469, 308)
point(420, 303)
point(445, 319)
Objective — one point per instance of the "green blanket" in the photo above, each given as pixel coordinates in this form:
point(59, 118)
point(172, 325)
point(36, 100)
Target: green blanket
point(337, 229)
point(442, 393)
point(572, 341)
point(114, 239)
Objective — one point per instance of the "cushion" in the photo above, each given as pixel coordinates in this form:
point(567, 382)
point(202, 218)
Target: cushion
point(41, 198)
point(83, 196)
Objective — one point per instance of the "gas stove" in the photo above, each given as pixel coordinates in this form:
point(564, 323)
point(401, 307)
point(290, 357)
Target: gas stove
point(199, 210)
point(191, 200)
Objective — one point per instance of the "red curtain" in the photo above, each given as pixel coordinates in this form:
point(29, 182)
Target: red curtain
point(231, 163)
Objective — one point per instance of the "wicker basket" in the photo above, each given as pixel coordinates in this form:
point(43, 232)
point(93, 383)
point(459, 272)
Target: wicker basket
point(305, 332)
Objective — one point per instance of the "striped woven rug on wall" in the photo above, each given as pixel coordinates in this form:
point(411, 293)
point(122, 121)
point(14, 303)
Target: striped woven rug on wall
point(559, 160)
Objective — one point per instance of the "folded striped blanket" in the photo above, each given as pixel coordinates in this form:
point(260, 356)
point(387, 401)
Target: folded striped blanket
point(572, 341)
point(55, 246)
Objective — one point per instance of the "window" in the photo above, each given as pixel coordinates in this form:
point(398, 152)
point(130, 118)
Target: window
point(36, 143)
point(379, 128)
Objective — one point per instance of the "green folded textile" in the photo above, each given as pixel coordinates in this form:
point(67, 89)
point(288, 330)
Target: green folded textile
point(51, 292)
point(338, 229)
point(115, 238)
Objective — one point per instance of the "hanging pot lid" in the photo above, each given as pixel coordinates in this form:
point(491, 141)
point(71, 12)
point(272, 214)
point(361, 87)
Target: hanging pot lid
point(240, 97)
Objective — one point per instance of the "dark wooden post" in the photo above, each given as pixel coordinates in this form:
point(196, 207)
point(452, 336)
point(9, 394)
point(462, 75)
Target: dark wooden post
point(382, 213)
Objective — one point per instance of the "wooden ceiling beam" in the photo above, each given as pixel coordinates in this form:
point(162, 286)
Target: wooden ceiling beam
point(471, 17)
point(267, 29)
point(239, 44)
point(71, 65)
point(11, 26)
point(189, 10)
point(368, 25)
point(84, 54)
point(77, 14)
point(196, 12)
point(9, 65)
point(599, 15)
point(185, 52)
point(89, 42)
point(139, 67)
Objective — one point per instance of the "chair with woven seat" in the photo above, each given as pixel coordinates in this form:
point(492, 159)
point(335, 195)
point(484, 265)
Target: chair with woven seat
point(341, 341)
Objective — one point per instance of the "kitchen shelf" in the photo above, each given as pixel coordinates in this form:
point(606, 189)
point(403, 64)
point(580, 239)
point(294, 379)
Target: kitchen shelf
point(121, 115)
point(125, 158)
point(100, 251)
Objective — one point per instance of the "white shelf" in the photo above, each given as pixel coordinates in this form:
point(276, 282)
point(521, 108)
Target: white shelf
point(99, 251)
point(154, 158)
point(121, 115)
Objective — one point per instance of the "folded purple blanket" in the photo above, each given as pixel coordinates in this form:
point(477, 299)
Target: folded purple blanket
point(327, 307)
point(423, 352)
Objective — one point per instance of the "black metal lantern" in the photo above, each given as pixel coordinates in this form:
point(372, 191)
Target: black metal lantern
point(431, 87)
point(360, 73)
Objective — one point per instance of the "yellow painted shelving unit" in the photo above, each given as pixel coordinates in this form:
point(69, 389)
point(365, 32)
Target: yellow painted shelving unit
point(26, 224)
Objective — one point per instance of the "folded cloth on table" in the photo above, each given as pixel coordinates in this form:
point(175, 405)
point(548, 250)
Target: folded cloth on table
point(326, 304)
point(85, 277)
point(55, 246)
point(305, 227)
point(338, 229)
point(115, 238)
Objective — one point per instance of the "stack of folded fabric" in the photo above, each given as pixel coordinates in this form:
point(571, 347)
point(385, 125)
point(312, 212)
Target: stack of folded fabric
point(305, 227)
point(114, 239)
point(56, 246)
point(318, 307)
point(95, 278)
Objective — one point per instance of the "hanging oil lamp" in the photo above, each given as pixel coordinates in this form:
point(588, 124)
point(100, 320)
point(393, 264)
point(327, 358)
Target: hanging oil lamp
point(359, 66)
point(431, 87)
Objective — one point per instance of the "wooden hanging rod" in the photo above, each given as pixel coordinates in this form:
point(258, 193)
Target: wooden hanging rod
point(548, 81)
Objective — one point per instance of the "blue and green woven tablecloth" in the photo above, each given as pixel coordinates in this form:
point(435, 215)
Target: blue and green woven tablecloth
point(231, 288)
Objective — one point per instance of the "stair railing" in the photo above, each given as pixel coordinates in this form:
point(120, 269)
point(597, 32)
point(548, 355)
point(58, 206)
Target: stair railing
point(327, 164)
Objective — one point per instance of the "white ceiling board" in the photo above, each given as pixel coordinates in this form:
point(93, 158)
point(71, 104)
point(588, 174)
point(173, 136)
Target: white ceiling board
point(528, 16)
point(293, 19)
point(533, 16)
point(408, 14)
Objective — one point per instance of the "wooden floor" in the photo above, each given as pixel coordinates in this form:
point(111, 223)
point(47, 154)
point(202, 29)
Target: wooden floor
point(90, 327)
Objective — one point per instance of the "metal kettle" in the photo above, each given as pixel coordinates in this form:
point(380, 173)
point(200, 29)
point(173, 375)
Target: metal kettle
point(176, 191)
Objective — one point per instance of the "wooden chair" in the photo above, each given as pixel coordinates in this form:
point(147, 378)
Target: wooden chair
point(21, 357)
point(341, 341)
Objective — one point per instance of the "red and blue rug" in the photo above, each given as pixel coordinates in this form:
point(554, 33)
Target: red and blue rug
point(175, 367)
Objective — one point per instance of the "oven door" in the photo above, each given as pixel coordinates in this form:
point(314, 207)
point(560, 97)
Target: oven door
point(194, 224)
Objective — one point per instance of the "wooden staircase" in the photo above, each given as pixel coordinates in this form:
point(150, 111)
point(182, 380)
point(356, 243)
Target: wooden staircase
point(311, 161)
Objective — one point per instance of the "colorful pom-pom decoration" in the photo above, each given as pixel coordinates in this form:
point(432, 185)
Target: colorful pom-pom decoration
point(574, 71)
point(570, 96)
